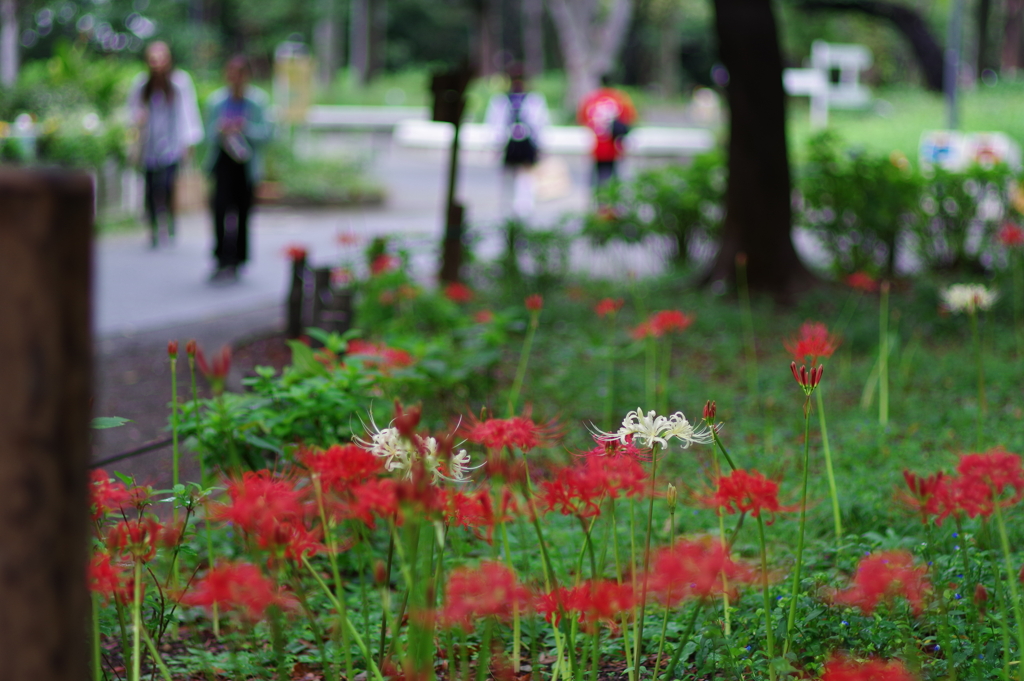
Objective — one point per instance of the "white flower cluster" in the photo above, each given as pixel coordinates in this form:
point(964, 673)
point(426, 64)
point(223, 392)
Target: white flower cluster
point(399, 454)
point(969, 298)
point(650, 429)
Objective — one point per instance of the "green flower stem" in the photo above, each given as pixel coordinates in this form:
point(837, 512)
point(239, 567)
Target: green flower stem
point(982, 404)
point(666, 371)
point(803, 524)
point(678, 654)
point(721, 446)
point(1011, 579)
point(638, 643)
point(1000, 603)
point(97, 660)
point(384, 620)
point(836, 516)
point(164, 671)
point(727, 616)
point(202, 480)
point(883, 358)
point(634, 674)
point(1018, 302)
point(374, 671)
point(769, 630)
point(124, 632)
point(136, 673)
point(333, 558)
point(483, 664)
point(596, 636)
point(967, 594)
point(664, 619)
point(618, 578)
point(524, 359)
point(753, 380)
point(517, 630)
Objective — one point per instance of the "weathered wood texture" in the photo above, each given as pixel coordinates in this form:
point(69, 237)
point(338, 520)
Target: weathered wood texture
point(45, 355)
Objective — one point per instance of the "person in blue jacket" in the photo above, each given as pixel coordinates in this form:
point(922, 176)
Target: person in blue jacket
point(237, 130)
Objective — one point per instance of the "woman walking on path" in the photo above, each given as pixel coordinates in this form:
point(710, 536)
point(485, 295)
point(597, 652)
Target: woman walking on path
point(237, 130)
point(162, 104)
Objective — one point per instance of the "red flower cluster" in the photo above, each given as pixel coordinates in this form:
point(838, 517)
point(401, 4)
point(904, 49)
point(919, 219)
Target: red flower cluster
point(1011, 235)
point(843, 669)
point(340, 467)
point(519, 432)
point(743, 492)
point(814, 341)
point(490, 590)
point(661, 323)
point(240, 587)
point(608, 306)
point(475, 510)
point(483, 317)
point(534, 303)
point(378, 354)
point(580, 490)
point(611, 449)
point(137, 538)
point(384, 263)
point(593, 602)
point(295, 252)
point(927, 495)
point(983, 480)
point(458, 293)
point(862, 281)
point(106, 495)
point(217, 371)
point(108, 579)
point(694, 569)
point(883, 576)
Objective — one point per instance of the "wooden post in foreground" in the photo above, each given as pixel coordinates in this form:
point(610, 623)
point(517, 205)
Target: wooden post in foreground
point(45, 356)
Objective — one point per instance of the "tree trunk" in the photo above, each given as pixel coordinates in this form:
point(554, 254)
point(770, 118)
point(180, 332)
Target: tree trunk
point(590, 42)
point(45, 354)
point(757, 198)
point(984, 10)
point(8, 42)
point(1009, 60)
point(378, 38)
point(533, 37)
point(326, 38)
point(669, 44)
point(905, 20)
point(359, 41)
point(486, 37)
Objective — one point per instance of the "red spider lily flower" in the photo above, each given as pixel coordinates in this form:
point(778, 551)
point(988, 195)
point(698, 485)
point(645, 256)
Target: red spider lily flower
point(1011, 235)
point(458, 293)
point(295, 252)
point(384, 263)
point(240, 587)
point(380, 355)
point(217, 371)
point(292, 538)
point(341, 466)
point(172, 349)
point(593, 602)
point(808, 380)
point(881, 577)
point(843, 669)
point(106, 494)
point(862, 281)
point(616, 449)
point(108, 578)
point(483, 317)
point(534, 303)
point(814, 341)
point(926, 495)
point(260, 500)
point(710, 410)
point(579, 490)
point(661, 323)
point(694, 569)
point(518, 432)
point(608, 306)
point(406, 420)
point(137, 538)
point(746, 492)
point(374, 499)
point(476, 511)
point(996, 469)
point(489, 590)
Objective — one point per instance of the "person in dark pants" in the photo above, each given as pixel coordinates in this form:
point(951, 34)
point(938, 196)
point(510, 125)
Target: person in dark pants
point(238, 129)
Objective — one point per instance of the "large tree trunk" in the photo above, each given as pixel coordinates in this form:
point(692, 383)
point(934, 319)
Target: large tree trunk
point(359, 41)
point(8, 42)
point(45, 354)
point(326, 40)
point(757, 198)
point(1009, 60)
point(984, 10)
point(904, 19)
point(533, 37)
point(590, 40)
point(487, 40)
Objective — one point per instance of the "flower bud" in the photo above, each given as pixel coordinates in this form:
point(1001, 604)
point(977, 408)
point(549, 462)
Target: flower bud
point(380, 574)
point(670, 497)
point(190, 347)
point(534, 303)
point(406, 420)
point(172, 349)
point(709, 411)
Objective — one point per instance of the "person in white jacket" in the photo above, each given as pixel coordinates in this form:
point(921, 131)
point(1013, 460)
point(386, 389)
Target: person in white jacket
point(517, 121)
point(163, 108)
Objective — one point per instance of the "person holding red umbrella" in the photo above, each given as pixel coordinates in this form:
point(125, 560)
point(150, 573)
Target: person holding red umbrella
point(609, 113)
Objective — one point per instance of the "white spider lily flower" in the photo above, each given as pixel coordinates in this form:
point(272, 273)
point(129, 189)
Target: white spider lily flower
point(969, 298)
point(649, 429)
point(400, 454)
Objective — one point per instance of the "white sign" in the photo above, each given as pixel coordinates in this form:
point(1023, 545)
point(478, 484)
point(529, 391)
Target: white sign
point(846, 62)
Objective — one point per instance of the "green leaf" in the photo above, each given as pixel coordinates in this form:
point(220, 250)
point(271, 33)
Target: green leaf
point(104, 422)
point(303, 360)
